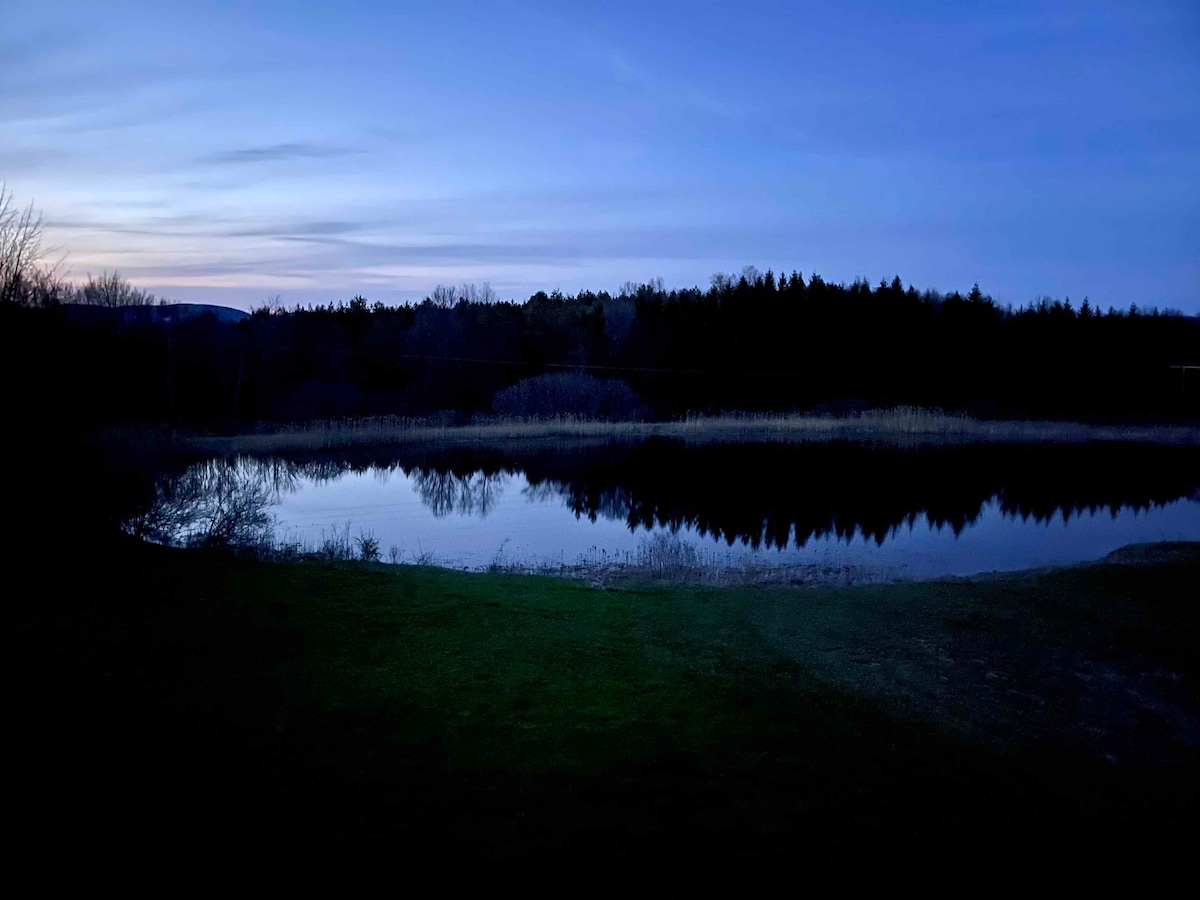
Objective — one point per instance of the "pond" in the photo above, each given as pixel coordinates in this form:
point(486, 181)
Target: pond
point(802, 512)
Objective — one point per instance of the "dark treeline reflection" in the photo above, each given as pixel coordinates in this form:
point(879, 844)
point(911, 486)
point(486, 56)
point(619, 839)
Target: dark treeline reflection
point(762, 495)
point(774, 495)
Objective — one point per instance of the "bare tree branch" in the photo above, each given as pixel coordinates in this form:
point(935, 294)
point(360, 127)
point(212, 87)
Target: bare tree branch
point(23, 277)
point(110, 289)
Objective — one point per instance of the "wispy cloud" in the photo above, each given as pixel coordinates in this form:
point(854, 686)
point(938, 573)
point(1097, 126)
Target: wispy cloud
point(302, 229)
point(278, 152)
point(667, 89)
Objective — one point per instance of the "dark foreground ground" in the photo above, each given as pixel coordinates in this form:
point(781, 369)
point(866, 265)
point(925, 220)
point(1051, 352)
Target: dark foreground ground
point(203, 710)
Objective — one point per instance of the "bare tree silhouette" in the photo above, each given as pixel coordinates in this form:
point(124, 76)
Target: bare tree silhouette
point(25, 278)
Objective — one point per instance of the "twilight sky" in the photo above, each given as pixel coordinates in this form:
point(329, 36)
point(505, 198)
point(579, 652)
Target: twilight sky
point(226, 152)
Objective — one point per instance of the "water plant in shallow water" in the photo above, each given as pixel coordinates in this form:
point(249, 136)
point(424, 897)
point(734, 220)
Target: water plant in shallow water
point(368, 546)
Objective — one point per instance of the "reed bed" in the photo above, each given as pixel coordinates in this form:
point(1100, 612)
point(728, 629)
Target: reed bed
point(907, 426)
point(659, 559)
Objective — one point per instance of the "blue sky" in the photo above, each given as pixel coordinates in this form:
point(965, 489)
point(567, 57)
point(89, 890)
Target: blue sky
point(232, 151)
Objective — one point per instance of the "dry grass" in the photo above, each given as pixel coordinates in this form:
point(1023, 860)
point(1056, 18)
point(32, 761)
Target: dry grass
point(902, 425)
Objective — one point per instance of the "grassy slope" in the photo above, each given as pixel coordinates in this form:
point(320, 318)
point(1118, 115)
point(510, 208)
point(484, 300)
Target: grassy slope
point(216, 704)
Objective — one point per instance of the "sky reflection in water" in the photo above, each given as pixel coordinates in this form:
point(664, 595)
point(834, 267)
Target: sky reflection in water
point(473, 519)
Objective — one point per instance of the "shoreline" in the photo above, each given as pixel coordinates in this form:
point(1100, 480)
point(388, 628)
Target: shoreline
point(903, 427)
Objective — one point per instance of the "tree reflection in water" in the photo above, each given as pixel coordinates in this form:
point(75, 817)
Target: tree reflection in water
point(445, 492)
point(758, 495)
point(224, 502)
point(789, 495)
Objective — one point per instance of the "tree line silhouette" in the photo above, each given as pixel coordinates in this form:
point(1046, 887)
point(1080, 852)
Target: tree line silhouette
point(756, 342)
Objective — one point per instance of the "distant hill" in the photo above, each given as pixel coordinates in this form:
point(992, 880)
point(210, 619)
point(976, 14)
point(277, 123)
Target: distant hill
point(180, 312)
point(167, 314)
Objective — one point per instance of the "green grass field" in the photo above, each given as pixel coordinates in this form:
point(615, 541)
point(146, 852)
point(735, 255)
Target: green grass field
point(509, 727)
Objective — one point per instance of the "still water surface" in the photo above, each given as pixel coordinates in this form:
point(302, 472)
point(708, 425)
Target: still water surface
point(886, 513)
point(521, 526)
